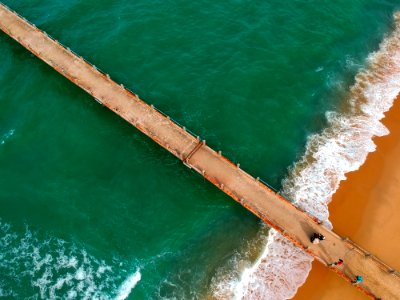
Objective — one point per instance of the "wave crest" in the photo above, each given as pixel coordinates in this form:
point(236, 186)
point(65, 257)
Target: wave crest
point(128, 285)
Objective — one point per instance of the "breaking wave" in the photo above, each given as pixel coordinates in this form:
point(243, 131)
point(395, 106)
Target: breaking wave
point(341, 148)
point(51, 268)
point(128, 285)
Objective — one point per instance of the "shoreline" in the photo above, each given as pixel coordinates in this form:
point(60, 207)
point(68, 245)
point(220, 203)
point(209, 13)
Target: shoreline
point(364, 209)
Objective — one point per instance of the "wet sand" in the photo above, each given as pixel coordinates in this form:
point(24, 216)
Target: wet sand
point(366, 208)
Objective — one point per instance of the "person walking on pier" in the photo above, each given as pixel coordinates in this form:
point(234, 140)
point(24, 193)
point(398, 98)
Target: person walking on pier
point(337, 263)
point(316, 238)
point(358, 280)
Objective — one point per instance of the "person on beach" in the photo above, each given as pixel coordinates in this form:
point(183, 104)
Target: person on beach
point(316, 238)
point(337, 263)
point(358, 280)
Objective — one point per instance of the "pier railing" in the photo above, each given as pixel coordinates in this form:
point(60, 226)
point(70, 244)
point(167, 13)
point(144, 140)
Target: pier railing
point(368, 255)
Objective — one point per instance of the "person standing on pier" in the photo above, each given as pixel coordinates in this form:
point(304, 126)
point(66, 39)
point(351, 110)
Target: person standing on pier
point(337, 263)
point(316, 238)
point(358, 280)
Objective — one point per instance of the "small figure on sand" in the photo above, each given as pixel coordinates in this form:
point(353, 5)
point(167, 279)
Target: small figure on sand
point(316, 238)
point(358, 280)
point(337, 263)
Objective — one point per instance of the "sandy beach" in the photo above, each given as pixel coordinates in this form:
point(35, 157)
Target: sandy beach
point(366, 208)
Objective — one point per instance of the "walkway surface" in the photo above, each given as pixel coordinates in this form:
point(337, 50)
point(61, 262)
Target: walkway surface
point(380, 281)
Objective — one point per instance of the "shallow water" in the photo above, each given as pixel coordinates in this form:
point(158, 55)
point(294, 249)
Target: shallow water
point(253, 79)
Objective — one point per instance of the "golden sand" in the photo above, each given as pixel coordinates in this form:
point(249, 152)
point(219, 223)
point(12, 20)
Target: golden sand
point(366, 208)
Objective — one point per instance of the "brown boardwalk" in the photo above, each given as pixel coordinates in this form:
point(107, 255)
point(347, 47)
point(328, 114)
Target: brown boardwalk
point(380, 281)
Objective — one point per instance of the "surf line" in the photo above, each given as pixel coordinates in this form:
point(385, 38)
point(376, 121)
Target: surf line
point(292, 222)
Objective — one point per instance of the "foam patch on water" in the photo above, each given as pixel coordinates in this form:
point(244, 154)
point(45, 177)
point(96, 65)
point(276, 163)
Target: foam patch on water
point(341, 148)
point(6, 136)
point(128, 285)
point(52, 268)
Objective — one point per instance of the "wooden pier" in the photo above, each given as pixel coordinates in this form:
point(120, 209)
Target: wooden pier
point(380, 280)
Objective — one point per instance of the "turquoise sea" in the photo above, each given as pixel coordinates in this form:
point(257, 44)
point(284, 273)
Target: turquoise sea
point(90, 207)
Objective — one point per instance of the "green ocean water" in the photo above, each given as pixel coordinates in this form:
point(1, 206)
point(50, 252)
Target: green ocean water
point(86, 201)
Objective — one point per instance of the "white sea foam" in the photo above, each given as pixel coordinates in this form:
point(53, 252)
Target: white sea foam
point(6, 136)
point(341, 148)
point(127, 286)
point(55, 269)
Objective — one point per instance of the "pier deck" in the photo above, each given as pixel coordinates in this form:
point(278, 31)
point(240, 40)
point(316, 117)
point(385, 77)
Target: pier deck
point(380, 281)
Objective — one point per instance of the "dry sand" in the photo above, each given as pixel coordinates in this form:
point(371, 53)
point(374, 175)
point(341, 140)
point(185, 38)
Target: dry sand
point(366, 208)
